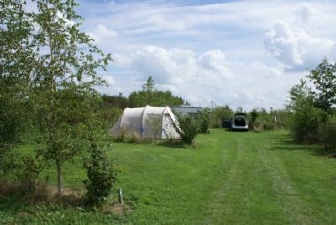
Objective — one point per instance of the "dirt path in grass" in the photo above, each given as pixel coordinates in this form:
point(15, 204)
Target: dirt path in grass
point(254, 187)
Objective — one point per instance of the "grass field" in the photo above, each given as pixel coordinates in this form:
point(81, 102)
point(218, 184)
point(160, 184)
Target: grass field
point(230, 178)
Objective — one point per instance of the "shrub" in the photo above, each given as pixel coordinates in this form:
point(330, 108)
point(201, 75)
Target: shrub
point(101, 176)
point(203, 122)
point(21, 171)
point(306, 125)
point(189, 127)
point(27, 171)
point(126, 136)
point(328, 135)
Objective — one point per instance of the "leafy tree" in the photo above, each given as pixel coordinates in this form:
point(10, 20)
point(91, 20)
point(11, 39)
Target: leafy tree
point(305, 121)
point(149, 85)
point(15, 64)
point(65, 70)
point(324, 80)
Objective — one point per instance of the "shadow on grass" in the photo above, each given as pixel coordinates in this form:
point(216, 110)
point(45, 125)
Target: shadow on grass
point(39, 194)
point(286, 143)
point(172, 144)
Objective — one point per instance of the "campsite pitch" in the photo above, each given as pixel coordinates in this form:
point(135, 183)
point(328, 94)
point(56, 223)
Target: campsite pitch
point(230, 178)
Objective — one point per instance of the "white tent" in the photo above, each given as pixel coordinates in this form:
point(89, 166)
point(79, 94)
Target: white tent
point(147, 122)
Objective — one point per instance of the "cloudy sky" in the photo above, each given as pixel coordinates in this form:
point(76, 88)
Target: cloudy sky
point(210, 52)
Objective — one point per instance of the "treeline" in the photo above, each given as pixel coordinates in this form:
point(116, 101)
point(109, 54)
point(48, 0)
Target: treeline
point(149, 95)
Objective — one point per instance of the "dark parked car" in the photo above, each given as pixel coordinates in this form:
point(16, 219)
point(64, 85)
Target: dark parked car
point(239, 122)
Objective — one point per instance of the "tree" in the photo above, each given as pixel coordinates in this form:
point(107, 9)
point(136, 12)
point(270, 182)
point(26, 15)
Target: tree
point(15, 55)
point(324, 80)
point(119, 101)
point(149, 85)
point(305, 121)
point(65, 70)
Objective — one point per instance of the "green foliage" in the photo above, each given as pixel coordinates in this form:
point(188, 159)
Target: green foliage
point(47, 61)
point(149, 85)
point(306, 118)
point(119, 101)
point(328, 134)
point(217, 115)
point(150, 96)
point(27, 170)
point(312, 106)
point(324, 80)
point(20, 170)
point(63, 80)
point(12, 120)
point(155, 98)
point(14, 32)
point(203, 118)
point(260, 119)
point(101, 175)
point(189, 128)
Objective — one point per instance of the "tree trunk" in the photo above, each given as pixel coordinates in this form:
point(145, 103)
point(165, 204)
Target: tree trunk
point(59, 178)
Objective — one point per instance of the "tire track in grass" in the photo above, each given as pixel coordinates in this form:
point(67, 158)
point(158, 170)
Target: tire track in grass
point(229, 157)
point(254, 189)
point(288, 197)
point(227, 197)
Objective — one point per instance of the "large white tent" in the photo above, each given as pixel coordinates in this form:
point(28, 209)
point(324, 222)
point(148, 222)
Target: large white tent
point(147, 122)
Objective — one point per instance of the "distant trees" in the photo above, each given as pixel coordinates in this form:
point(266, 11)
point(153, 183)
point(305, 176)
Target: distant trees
point(151, 96)
point(217, 114)
point(312, 103)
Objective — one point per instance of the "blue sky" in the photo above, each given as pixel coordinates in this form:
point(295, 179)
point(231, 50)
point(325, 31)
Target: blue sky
point(238, 53)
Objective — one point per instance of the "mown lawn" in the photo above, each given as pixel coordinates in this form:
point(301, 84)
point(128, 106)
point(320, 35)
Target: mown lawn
point(230, 178)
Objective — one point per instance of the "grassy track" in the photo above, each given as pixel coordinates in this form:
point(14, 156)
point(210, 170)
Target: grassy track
point(230, 178)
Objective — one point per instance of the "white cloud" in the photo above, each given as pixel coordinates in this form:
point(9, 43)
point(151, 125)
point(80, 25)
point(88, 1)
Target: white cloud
point(295, 48)
point(208, 77)
point(102, 34)
point(177, 65)
point(304, 12)
point(282, 44)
